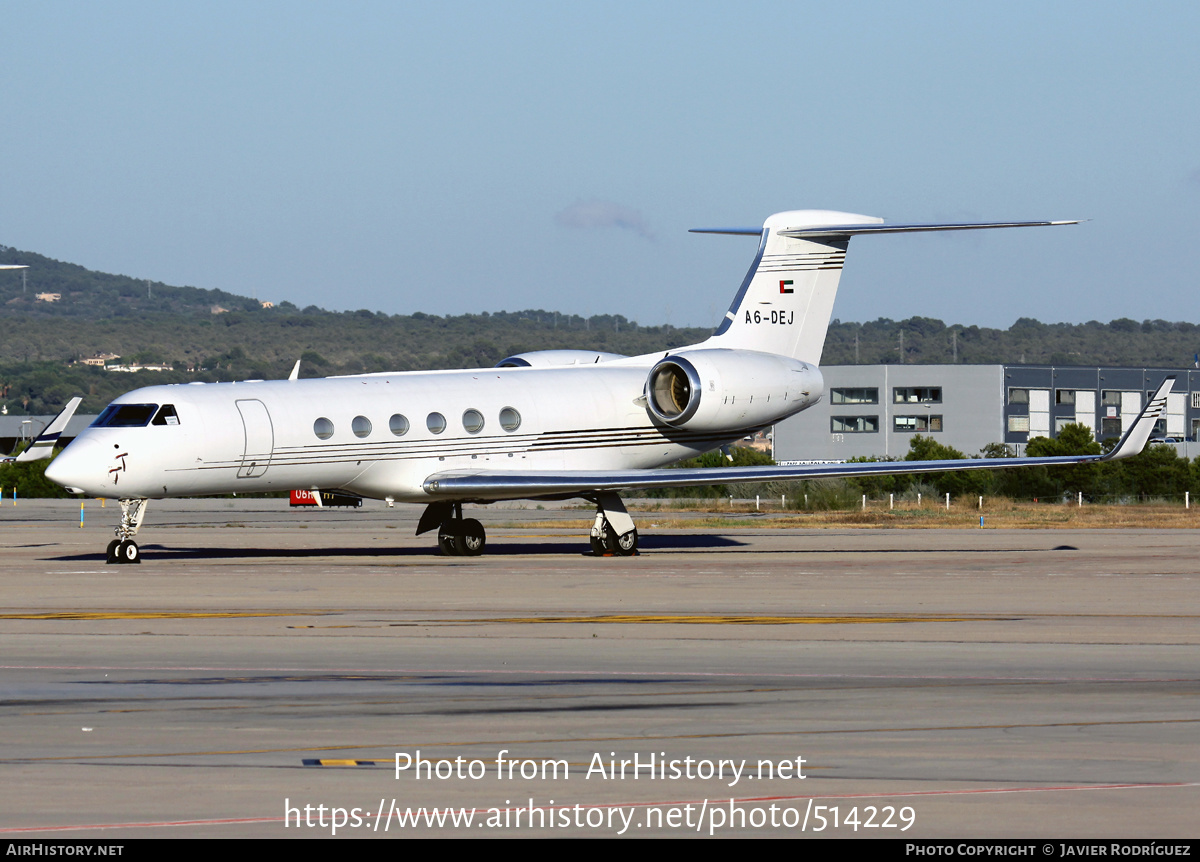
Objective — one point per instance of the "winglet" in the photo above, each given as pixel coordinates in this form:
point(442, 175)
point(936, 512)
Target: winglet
point(43, 446)
point(295, 375)
point(1135, 438)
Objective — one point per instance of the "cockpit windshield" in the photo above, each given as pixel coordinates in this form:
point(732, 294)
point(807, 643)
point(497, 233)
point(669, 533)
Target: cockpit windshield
point(125, 416)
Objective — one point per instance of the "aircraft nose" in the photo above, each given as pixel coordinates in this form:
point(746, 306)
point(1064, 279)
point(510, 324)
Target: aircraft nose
point(80, 468)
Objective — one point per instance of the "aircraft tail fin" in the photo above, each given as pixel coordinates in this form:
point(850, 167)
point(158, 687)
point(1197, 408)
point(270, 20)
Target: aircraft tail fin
point(43, 446)
point(786, 300)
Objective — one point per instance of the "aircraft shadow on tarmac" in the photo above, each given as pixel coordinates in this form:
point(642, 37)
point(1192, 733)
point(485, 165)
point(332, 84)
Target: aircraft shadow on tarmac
point(647, 543)
point(152, 553)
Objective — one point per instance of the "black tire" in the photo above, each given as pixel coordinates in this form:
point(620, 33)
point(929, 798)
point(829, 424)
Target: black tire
point(129, 552)
point(597, 546)
point(448, 538)
point(471, 538)
point(625, 545)
point(111, 554)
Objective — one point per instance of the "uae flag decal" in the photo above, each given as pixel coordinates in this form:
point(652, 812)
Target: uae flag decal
point(785, 287)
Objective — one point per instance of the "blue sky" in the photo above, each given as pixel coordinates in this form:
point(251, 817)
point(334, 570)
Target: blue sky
point(464, 157)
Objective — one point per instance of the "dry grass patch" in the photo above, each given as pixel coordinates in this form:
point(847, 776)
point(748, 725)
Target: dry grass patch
point(997, 514)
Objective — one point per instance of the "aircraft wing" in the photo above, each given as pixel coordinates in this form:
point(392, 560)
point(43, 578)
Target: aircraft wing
point(482, 485)
point(43, 446)
point(848, 230)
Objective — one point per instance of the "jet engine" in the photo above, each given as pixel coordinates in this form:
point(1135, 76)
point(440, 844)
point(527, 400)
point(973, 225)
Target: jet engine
point(721, 390)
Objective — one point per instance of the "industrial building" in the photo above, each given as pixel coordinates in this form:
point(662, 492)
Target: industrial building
point(874, 410)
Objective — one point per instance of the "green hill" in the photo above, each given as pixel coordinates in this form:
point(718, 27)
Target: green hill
point(100, 313)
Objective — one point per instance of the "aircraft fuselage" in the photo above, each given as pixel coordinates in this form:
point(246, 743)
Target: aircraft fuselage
point(378, 435)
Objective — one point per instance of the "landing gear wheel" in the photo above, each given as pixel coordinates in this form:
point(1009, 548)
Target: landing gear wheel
point(471, 538)
point(623, 546)
point(111, 554)
point(448, 538)
point(126, 551)
point(609, 544)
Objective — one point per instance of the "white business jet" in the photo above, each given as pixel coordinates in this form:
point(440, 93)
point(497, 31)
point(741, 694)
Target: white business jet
point(544, 425)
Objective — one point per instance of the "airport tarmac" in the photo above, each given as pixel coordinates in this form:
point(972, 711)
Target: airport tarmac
point(925, 683)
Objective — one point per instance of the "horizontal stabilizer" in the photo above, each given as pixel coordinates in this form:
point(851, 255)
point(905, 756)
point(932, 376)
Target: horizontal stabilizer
point(734, 231)
point(858, 229)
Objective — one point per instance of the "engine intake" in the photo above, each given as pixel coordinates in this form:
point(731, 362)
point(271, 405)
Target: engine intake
point(716, 390)
point(673, 391)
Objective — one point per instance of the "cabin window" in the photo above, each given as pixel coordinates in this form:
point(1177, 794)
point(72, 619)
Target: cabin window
point(125, 416)
point(166, 415)
point(361, 426)
point(473, 421)
point(435, 422)
point(323, 428)
point(510, 419)
point(398, 424)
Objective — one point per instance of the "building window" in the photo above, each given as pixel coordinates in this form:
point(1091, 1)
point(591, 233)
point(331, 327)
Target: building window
point(1110, 397)
point(1196, 400)
point(1064, 396)
point(1018, 424)
point(1018, 396)
point(1110, 427)
point(854, 396)
point(916, 424)
point(917, 395)
point(854, 424)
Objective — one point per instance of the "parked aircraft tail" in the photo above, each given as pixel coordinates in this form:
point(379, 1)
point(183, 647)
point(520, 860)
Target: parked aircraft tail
point(43, 446)
point(786, 300)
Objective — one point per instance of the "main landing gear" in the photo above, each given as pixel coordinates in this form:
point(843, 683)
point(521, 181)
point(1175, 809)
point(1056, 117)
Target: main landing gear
point(457, 536)
point(613, 534)
point(123, 549)
point(461, 537)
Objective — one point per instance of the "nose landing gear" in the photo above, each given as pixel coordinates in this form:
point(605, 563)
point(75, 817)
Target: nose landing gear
point(123, 549)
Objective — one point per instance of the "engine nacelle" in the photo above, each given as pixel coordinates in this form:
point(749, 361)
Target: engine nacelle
point(725, 390)
point(557, 358)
